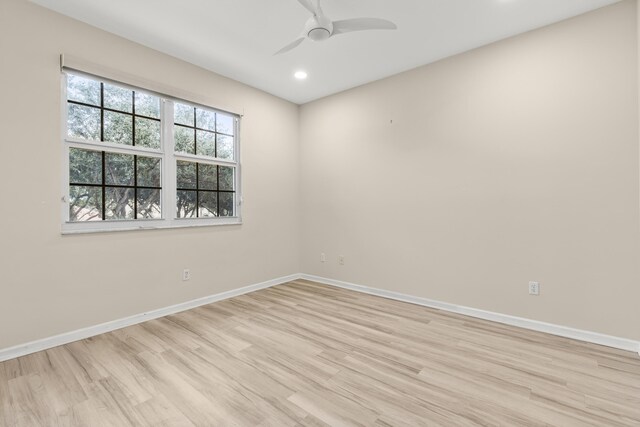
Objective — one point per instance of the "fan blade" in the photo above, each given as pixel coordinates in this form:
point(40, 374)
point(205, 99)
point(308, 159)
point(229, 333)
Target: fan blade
point(362, 24)
point(290, 46)
point(309, 5)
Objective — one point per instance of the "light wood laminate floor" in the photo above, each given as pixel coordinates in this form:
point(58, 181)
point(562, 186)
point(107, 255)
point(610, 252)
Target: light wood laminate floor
point(304, 354)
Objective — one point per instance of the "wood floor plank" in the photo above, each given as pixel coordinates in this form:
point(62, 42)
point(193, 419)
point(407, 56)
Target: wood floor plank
point(307, 354)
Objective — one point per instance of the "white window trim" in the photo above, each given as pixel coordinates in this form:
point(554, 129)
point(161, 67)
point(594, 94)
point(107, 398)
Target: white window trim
point(168, 168)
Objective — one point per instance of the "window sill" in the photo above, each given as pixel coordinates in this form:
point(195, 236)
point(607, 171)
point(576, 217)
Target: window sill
point(71, 228)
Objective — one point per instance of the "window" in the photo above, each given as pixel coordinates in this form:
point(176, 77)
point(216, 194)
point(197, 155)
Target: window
point(136, 159)
point(205, 187)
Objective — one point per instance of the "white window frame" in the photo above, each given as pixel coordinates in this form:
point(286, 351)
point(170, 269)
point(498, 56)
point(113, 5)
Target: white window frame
point(168, 158)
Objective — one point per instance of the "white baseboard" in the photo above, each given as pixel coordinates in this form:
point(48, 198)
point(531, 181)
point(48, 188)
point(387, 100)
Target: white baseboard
point(563, 331)
point(65, 338)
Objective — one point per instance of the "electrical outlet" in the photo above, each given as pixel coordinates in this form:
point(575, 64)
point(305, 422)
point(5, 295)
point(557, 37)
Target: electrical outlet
point(534, 288)
point(186, 274)
point(341, 259)
point(323, 257)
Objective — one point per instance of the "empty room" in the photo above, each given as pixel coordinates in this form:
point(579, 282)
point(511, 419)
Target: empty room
point(320, 213)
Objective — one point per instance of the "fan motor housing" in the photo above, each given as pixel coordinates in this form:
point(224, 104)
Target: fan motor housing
point(319, 28)
point(319, 34)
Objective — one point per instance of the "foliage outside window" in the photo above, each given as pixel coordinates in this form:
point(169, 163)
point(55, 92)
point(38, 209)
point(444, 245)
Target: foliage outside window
point(126, 168)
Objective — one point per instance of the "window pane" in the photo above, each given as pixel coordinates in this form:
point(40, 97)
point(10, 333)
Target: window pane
point(186, 175)
point(83, 90)
point(205, 119)
point(186, 204)
point(83, 122)
point(149, 204)
point(118, 98)
point(148, 133)
point(118, 203)
point(225, 175)
point(224, 124)
point(118, 169)
point(206, 143)
point(225, 147)
point(147, 105)
point(208, 204)
point(183, 114)
point(207, 177)
point(85, 203)
point(148, 172)
point(85, 166)
point(118, 128)
point(226, 204)
point(184, 140)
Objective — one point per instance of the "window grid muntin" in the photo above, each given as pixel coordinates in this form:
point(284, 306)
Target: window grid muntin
point(142, 116)
point(181, 124)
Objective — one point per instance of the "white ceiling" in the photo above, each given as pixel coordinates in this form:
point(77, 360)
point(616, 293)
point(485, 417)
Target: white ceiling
point(237, 38)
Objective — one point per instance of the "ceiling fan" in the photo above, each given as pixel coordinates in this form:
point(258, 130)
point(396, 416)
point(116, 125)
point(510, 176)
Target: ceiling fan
point(319, 27)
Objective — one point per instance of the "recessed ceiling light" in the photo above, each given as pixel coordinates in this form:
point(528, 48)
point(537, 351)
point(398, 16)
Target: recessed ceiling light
point(300, 75)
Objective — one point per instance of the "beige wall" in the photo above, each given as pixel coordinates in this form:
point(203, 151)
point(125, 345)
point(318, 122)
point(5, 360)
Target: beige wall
point(463, 180)
point(52, 284)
